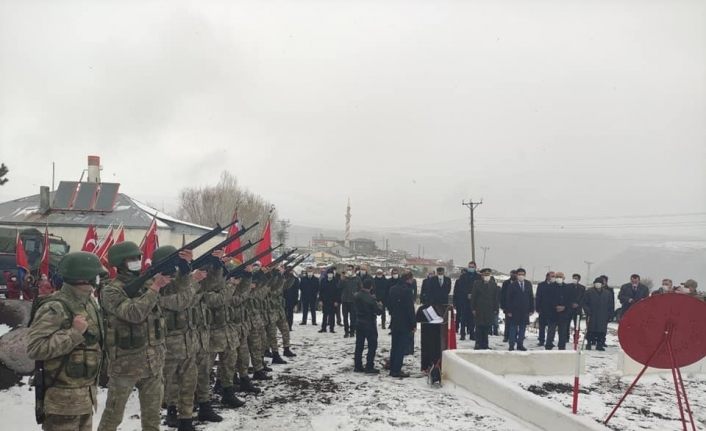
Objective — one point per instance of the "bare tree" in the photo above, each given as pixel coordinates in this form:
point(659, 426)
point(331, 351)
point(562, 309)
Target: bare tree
point(216, 204)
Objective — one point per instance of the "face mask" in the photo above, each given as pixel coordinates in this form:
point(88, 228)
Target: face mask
point(310, 274)
point(441, 277)
point(665, 287)
point(559, 280)
point(395, 276)
point(134, 265)
point(575, 281)
point(521, 278)
point(363, 273)
point(486, 278)
point(349, 273)
point(552, 279)
point(329, 276)
point(471, 269)
point(597, 285)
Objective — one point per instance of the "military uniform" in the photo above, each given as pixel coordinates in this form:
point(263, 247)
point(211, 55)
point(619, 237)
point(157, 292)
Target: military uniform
point(234, 320)
point(182, 342)
point(277, 313)
point(135, 333)
point(72, 359)
point(256, 334)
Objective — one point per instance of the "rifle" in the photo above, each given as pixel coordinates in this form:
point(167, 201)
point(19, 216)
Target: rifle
point(282, 258)
point(243, 248)
point(39, 391)
point(164, 264)
point(241, 268)
point(298, 261)
point(201, 260)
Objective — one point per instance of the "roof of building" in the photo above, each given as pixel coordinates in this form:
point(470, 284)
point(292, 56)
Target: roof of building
point(132, 213)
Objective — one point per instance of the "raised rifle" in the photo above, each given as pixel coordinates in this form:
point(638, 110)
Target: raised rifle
point(298, 260)
point(166, 264)
point(243, 248)
point(240, 269)
point(204, 258)
point(282, 258)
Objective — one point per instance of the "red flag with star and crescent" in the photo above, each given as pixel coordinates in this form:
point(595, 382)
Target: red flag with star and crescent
point(264, 245)
point(149, 244)
point(235, 244)
point(44, 262)
point(91, 241)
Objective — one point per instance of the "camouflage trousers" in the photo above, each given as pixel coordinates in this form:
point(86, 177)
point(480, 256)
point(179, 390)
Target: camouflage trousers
point(204, 364)
point(278, 321)
point(256, 349)
point(150, 391)
point(68, 423)
point(180, 376)
point(243, 353)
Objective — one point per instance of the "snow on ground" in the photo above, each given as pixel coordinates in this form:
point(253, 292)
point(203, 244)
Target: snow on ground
point(318, 390)
point(4, 329)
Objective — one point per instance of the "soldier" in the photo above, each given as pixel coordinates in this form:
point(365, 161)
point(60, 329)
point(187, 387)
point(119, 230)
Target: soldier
point(134, 340)
point(269, 312)
point(240, 313)
point(256, 336)
point(180, 374)
point(278, 316)
point(67, 334)
point(223, 340)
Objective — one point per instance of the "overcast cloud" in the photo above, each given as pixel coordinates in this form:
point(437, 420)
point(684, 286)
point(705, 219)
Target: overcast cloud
point(545, 109)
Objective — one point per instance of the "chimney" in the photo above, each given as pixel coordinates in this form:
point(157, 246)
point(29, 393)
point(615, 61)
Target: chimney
point(94, 169)
point(44, 199)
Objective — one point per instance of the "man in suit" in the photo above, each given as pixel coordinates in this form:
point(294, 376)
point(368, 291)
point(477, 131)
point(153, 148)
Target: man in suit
point(403, 322)
point(437, 289)
point(462, 301)
point(485, 305)
point(519, 306)
point(632, 292)
point(309, 287)
point(542, 305)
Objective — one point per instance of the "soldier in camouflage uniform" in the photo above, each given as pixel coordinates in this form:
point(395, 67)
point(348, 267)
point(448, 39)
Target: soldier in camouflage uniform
point(256, 335)
point(223, 339)
point(66, 333)
point(134, 339)
point(177, 301)
point(277, 315)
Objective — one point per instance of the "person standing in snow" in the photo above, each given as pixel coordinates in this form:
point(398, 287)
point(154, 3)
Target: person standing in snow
point(560, 297)
point(329, 295)
point(518, 306)
point(542, 306)
point(599, 305)
point(350, 285)
point(437, 289)
point(382, 288)
point(503, 297)
point(485, 304)
point(632, 292)
point(403, 322)
point(309, 287)
point(462, 301)
point(367, 309)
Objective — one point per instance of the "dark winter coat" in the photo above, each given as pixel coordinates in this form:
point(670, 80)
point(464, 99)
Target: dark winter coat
point(627, 292)
point(382, 289)
point(541, 305)
point(366, 310)
point(291, 295)
point(484, 302)
point(329, 291)
point(401, 303)
point(599, 306)
point(462, 290)
point(559, 295)
point(503, 292)
point(349, 287)
point(434, 292)
point(309, 288)
point(519, 301)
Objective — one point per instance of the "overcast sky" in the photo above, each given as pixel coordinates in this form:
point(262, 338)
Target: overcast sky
point(548, 110)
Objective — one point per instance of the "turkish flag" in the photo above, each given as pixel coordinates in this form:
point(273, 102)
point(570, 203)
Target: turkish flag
point(90, 243)
point(264, 245)
point(21, 258)
point(44, 263)
point(121, 235)
point(235, 244)
point(149, 244)
point(108, 241)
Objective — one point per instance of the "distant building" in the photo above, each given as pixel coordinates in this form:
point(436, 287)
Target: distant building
point(324, 242)
point(363, 245)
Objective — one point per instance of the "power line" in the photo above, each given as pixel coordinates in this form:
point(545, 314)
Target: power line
point(472, 206)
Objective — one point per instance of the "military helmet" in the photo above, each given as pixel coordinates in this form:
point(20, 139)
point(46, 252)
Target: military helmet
point(162, 252)
point(80, 265)
point(119, 252)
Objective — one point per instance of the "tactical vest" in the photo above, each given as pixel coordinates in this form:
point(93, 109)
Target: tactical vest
point(80, 367)
point(177, 322)
point(128, 337)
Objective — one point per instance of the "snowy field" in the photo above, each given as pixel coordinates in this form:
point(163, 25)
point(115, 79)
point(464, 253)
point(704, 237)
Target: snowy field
point(318, 390)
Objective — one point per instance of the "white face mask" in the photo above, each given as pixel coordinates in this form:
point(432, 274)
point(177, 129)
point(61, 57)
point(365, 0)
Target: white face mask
point(395, 276)
point(310, 274)
point(575, 281)
point(349, 273)
point(597, 285)
point(521, 278)
point(486, 278)
point(134, 265)
point(665, 287)
point(441, 277)
point(559, 280)
point(552, 279)
point(329, 276)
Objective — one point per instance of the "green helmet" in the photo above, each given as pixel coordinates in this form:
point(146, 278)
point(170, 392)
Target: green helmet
point(162, 252)
point(119, 252)
point(80, 265)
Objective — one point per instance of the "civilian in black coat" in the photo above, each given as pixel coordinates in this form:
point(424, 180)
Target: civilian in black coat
point(309, 287)
point(518, 306)
point(503, 297)
point(632, 292)
point(403, 322)
point(330, 297)
point(381, 291)
point(462, 301)
point(560, 297)
point(542, 306)
point(291, 298)
point(437, 289)
point(367, 309)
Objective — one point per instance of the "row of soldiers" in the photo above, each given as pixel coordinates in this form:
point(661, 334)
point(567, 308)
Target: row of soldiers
point(163, 340)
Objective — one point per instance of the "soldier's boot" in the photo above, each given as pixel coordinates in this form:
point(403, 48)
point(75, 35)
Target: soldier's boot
point(247, 386)
point(230, 400)
point(277, 359)
point(261, 375)
point(186, 425)
point(218, 387)
point(207, 414)
point(172, 420)
point(288, 352)
point(268, 354)
point(265, 367)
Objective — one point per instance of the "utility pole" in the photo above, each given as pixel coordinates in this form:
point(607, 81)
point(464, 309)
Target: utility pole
point(588, 270)
point(472, 206)
point(485, 250)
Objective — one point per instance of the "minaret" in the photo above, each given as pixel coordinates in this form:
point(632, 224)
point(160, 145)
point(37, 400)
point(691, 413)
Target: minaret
point(347, 237)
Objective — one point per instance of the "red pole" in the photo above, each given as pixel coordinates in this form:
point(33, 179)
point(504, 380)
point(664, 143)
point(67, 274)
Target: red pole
point(577, 370)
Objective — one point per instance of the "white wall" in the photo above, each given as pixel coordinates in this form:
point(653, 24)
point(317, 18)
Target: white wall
point(629, 367)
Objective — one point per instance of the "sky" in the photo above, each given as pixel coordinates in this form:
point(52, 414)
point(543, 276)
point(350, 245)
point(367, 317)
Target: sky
point(558, 114)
